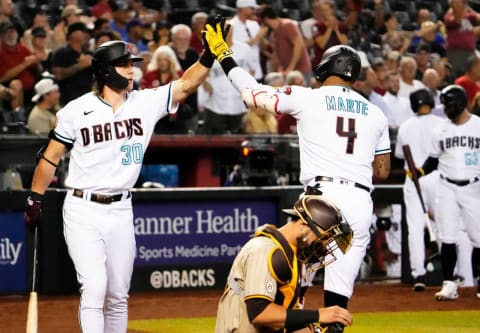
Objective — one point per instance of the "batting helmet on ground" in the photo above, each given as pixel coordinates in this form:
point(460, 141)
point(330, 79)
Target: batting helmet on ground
point(328, 224)
point(455, 100)
point(421, 97)
point(339, 60)
point(106, 57)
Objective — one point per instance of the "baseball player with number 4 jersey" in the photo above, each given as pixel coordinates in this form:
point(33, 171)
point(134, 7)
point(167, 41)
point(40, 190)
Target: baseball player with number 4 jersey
point(107, 133)
point(343, 138)
point(456, 154)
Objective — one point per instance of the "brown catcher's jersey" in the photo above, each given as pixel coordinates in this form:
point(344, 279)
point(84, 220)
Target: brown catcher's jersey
point(266, 267)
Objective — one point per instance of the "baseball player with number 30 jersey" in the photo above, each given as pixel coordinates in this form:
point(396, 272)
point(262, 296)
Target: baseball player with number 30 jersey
point(342, 136)
point(107, 133)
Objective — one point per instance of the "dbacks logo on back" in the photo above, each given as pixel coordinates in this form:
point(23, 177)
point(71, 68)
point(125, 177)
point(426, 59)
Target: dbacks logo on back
point(287, 90)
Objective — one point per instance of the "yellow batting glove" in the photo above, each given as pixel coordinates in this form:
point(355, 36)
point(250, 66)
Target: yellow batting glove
point(216, 43)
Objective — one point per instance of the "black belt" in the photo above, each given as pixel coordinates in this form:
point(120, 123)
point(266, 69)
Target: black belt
point(461, 182)
point(331, 179)
point(100, 198)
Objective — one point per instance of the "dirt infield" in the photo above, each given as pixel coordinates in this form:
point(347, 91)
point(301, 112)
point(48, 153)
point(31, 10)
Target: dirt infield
point(59, 314)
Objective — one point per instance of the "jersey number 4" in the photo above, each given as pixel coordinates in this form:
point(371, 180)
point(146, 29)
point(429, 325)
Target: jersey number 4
point(350, 133)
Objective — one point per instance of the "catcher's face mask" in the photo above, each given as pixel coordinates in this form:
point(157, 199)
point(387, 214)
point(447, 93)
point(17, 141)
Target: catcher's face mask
point(331, 229)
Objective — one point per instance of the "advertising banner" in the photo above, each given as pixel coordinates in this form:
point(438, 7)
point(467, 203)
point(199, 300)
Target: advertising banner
point(12, 252)
point(192, 244)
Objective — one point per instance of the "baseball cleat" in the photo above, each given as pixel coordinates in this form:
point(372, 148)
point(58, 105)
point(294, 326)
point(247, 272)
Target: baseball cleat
point(420, 284)
point(448, 292)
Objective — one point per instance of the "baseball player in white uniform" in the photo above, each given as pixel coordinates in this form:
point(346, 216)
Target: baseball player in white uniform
point(342, 136)
point(456, 153)
point(107, 133)
point(417, 132)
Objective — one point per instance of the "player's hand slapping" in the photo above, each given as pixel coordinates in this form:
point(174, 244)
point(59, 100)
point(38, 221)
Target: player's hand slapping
point(214, 38)
point(33, 210)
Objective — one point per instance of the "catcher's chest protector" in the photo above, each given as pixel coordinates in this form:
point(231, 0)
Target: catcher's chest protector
point(283, 265)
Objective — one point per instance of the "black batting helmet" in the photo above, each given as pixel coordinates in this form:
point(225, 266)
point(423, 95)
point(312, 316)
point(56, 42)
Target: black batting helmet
point(339, 60)
point(106, 56)
point(328, 224)
point(454, 98)
point(421, 97)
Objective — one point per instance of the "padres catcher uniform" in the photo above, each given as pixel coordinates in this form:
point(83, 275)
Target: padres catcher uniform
point(107, 143)
point(251, 276)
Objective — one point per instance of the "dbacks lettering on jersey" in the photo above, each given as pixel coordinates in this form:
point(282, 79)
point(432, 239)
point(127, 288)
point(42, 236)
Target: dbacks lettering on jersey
point(265, 97)
point(338, 103)
point(460, 141)
point(106, 132)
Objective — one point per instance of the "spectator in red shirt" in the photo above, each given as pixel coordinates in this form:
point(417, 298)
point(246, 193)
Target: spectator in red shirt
point(470, 80)
point(462, 27)
point(288, 47)
point(328, 32)
point(18, 64)
point(102, 9)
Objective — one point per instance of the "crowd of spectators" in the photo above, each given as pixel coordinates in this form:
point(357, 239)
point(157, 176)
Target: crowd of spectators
point(405, 45)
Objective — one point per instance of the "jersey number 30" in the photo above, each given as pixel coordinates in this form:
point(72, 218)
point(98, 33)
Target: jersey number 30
point(132, 154)
point(350, 133)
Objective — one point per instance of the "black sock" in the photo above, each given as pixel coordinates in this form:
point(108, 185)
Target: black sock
point(330, 298)
point(476, 262)
point(448, 256)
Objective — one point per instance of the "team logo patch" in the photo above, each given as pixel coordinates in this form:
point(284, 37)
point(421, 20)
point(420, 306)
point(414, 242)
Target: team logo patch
point(287, 90)
point(269, 287)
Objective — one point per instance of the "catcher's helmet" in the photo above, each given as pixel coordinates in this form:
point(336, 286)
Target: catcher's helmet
point(454, 98)
point(421, 97)
point(106, 56)
point(328, 224)
point(339, 60)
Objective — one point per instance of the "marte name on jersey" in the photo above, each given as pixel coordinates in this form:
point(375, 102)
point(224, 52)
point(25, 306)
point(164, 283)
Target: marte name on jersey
point(460, 141)
point(338, 103)
point(109, 131)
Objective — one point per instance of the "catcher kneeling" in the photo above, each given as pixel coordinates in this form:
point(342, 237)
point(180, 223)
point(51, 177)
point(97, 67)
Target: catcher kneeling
point(263, 287)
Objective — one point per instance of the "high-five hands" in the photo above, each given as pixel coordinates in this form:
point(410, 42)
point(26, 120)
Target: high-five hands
point(214, 38)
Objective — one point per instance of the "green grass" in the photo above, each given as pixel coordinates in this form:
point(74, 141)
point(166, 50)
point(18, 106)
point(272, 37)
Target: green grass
point(379, 322)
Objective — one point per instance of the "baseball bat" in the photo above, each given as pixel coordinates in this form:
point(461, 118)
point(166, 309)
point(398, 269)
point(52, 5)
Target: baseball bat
point(32, 312)
point(411, 166)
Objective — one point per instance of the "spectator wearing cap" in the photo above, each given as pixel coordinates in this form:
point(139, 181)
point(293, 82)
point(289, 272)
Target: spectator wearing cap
point(70, 14)
point(39, 48)
point(470, 80)
point(19, 67)
point(199, 19)
point(40, 20)
point(72, 64)
point(161, 35)
point(120, 17)
point(247, 30)
point(42, 118)
point(288, 48)
point(135, 29)
point(102, 10)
